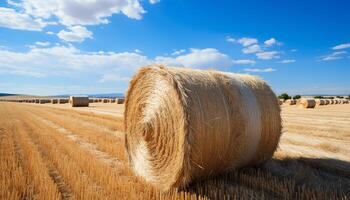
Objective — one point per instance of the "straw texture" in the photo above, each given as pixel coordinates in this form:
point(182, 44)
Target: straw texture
point(184, 125)
point(307, 103)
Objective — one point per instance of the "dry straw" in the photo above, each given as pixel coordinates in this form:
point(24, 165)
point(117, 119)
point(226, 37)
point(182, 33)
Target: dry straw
point(290, 102)
point(79, 101)
point(184, 125)
point(54, 101)
point(307, 103)
point(327, 101)
point(119, 100)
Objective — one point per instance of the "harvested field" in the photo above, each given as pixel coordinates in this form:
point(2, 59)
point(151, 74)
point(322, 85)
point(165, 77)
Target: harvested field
point(53, 151)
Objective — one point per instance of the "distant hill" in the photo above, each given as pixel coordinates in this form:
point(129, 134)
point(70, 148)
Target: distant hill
point(7, 94)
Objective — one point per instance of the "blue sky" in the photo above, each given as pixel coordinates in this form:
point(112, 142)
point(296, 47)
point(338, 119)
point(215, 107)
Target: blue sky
point(95, 46)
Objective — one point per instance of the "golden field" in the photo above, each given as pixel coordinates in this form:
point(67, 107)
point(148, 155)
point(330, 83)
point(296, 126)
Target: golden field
point(53, 151)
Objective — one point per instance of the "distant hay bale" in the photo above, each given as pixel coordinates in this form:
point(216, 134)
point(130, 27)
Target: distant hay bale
point(336, 101)
point(184, 125)
point(37, 101)
point(63, 101)
point(54, 101)
point(120, 100)
point(290, 102)
point(104, 100)
point(79, 101)
point(320, 102)
point(280, 101)
point(96, 100)
point(43, 101)
point(327, 101)
point(111, 100)
point(91, 100)
point(331, 101)
point(307, 103)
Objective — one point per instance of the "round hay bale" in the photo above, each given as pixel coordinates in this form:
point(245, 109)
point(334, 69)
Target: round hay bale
point(307, 103)
point(54, 101)
point(105, 101)
point(63, 101)
point(43, 101)
point(91, 100)
point(184, 125)
point(78, 101)
point(320, 102)
point(327, 101)
point(96, 100)
point(331, 101)
point(119, 100)
point(290, 102)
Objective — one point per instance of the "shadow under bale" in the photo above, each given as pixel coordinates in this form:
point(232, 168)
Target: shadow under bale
point(290, 178)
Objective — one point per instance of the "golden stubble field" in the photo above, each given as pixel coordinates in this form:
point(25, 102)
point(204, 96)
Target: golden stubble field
point(56, 152)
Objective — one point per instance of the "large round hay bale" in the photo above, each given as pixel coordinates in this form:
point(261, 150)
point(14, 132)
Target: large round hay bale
point(307, 103)
point(327, 101)
point(331, 101)
point(320, 102)
point(184, 125)
point(78, 101)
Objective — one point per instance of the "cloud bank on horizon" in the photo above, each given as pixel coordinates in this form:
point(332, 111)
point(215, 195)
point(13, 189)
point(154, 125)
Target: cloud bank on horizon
point(60, 49)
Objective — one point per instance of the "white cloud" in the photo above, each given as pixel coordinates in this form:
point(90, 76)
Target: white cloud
point(69, 61)
point(230, 39)
point(76, 34)
point(82, 12)
point(337, 53)
point(341, 46)
point(287, 61)
point(50, 33)
point(204, 58)
point(267, 55)
point(270, 42)
point(178, 52)
point(44, 44)
point(251, 49)
point(154, 1)
point(246, 41)
point(113, 78)
point(333, 56)
point(10, 18)
point(243, 62)
point(138, 51)
point(259, 70)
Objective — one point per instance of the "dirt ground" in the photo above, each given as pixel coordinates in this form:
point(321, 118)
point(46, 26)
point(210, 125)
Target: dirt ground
point(58, 152)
